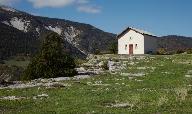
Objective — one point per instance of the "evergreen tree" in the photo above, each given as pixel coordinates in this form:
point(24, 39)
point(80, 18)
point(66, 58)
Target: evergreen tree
point(51, 61)
point(113, 48)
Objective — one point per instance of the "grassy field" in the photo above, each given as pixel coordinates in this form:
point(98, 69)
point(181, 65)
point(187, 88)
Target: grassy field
point(13, 62)
point(153, 85)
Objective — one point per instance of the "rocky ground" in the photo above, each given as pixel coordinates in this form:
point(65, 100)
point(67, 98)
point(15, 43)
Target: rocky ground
point(94, 66)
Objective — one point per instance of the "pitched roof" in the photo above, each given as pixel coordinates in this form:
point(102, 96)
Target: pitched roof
point(136, 30)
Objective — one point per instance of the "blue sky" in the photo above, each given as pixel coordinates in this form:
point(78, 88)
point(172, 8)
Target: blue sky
point(161, 17)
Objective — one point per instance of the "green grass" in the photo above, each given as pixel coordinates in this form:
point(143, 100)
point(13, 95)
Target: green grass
point(164, 90)
point(14, 62)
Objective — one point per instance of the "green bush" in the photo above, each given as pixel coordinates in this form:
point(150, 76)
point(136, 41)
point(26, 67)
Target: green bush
point(10, 73)
point(51, 61)
point(97, 52)
point(189, 51)
point(161, 51)
point(105, 65)
point(179, 51)
point(113, 48)
point(79, 62)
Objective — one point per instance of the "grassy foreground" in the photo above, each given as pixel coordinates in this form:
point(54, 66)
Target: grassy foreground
point(153, 85)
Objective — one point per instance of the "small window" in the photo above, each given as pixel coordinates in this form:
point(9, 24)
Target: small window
point(130, 38)
point(136, 46)
point(126, 47)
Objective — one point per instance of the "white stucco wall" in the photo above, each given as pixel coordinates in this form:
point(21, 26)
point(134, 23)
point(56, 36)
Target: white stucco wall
point(136, 38)
point(150, 43)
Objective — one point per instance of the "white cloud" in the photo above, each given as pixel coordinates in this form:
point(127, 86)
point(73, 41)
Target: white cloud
point(80, 5)
point(8, 2)
point(56, 3)
point(89, 9)
point(51, 3)
point(82, 1)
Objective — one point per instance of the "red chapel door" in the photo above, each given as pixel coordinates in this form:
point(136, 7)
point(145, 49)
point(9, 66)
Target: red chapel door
point(130, 48)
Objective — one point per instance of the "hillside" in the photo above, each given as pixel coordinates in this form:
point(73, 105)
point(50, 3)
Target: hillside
point(21, 33)
point(173, 42)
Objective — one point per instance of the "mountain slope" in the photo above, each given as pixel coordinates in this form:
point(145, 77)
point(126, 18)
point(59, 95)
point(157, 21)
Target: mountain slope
point(80, 39)
point(173, 42)
point(14, 42)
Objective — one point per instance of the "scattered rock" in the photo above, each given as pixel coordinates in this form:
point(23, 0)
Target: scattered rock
point(189, 74)
point(12, 98)
point(144, 68)
point(81, 70)
point(138, 80)
point(101, 64)
point(61, 79)
point(120, 105)
point(130, 78)
point(43, 95)
point(79, 77)
point(141, 68)
point(166, 72)
point(131, 63)
point(133, 74)
point(100, 84)
point(35, 83)
point(183, 62)
point(40, 96)
point(56, 85)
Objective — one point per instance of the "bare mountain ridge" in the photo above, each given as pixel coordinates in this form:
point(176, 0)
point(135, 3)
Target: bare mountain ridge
point(80, 39)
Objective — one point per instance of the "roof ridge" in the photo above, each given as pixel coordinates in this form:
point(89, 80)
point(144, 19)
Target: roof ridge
point(137, 30)
point(142, 31)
